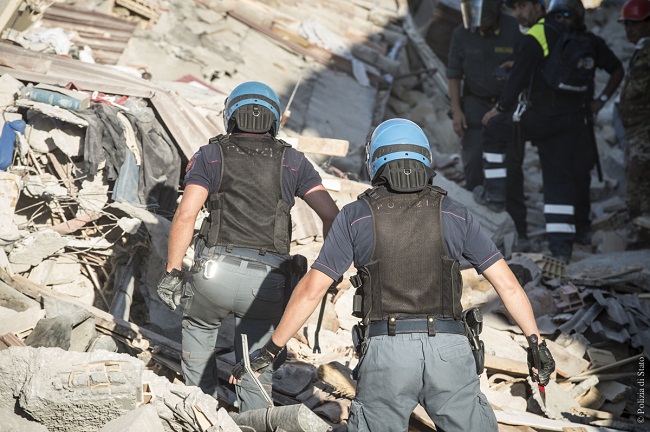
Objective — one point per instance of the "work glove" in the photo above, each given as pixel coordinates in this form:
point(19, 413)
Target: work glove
point(546, 365)
point(169, 288)
point(260, 360)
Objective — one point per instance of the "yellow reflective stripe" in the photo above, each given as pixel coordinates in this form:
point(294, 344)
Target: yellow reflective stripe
point(537, 31)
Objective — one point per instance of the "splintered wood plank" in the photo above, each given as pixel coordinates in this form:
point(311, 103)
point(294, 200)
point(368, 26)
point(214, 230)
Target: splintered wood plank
point(317, 145)
point(505, 365)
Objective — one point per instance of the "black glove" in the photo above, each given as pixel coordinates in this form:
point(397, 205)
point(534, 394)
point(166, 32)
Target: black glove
point(169, 288)
point(260, 359)
point(546, 364)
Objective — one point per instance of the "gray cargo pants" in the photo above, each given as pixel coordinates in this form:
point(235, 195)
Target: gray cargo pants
point(255, 293)
point(438, 372)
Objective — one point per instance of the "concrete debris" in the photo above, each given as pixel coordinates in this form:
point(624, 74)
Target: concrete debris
point(67, 391)
point(14, 423)
point(143, 419)
point(87, 201)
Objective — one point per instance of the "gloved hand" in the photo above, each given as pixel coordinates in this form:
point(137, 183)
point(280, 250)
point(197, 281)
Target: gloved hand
point(260, 359)
point(546, 365)
point(169, 288)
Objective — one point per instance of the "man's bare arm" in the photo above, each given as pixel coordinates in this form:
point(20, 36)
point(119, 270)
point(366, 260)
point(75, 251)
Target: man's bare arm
point(322, 203)
point(513, 296)
point(304, 300)
point(182, 229)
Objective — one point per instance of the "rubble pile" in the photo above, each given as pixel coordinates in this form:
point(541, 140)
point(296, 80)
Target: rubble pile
point(98, 139)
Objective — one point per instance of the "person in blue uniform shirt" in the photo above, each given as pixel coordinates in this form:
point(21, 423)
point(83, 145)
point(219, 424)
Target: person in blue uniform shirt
point(247, 179)
point(405, 238)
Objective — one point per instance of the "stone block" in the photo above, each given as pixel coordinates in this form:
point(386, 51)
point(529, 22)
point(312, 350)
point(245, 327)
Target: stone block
point(14, 423)
point(143, 419)
point(69, 391)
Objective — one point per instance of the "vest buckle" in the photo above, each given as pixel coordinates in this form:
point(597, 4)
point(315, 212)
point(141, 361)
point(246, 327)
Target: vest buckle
point(431, 325)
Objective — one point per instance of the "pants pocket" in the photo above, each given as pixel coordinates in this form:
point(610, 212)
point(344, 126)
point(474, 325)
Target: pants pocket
point(488, 419)
point(357, 420)
point(186, 298)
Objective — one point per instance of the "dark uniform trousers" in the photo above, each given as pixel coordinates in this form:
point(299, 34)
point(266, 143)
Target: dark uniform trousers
point(503, 156)
point(565, 158)
point(472, 148)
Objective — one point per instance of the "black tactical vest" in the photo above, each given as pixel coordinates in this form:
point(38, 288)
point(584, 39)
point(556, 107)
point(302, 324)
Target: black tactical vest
point(409, 273)
point(248, 210)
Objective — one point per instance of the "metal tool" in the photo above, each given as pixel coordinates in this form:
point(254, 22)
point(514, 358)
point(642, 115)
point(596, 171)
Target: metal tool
point(330, 290)
point(247, 366)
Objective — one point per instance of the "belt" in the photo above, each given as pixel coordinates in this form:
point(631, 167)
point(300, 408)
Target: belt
point(488, 99)
point(269, 258)
point(420, 325)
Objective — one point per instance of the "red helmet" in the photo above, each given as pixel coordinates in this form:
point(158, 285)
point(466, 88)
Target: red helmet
point(635, 10)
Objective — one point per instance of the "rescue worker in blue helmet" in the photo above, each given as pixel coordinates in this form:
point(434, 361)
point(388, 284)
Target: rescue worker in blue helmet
point(405, 237)
point(248, 180)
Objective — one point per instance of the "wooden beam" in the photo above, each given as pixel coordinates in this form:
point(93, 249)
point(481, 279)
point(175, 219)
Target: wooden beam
point(505, 365)
point(317, 145)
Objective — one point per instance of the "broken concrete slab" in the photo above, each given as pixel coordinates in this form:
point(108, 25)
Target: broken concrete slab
point(12, 422)
point(170, 400)
point(566, 364)
point(19, 322)
point(606, 268)
point(142, 419)
point(68, 391)
point(81, 289)
point(35, 247)
point(9, 89)
point(614, 391)
point(558, 404)
point(576, 344)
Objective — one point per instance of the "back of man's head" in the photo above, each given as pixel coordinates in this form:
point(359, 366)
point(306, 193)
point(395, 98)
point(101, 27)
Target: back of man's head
point(398, 155)
point(252, 107)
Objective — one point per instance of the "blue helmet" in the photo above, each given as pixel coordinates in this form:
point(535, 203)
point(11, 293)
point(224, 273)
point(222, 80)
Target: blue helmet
point(252, 107)
point(396, 139)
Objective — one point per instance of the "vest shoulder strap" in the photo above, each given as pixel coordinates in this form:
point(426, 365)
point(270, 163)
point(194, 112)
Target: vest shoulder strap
point(284, 143)
point(369, 194)
point(219, 139)
point(437, 189)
